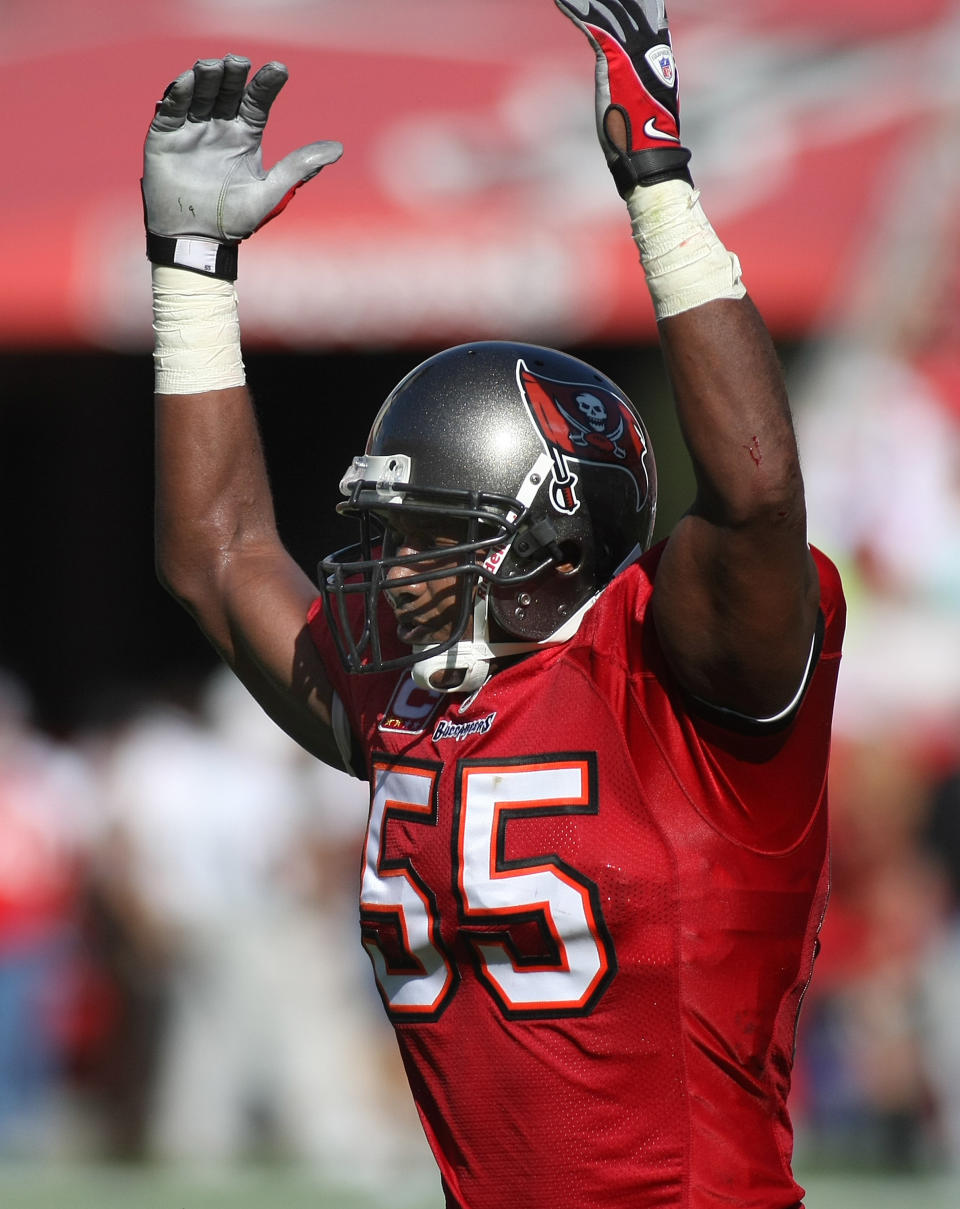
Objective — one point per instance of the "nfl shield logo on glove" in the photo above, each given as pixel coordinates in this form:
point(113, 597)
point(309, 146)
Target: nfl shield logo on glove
point(662, 64)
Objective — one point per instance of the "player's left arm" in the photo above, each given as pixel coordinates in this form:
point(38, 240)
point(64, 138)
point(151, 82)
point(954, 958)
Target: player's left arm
point(737, 593)
point(736, 596)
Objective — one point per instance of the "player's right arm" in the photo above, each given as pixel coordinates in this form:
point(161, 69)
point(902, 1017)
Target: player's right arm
point(219, 554)
point(218, 549)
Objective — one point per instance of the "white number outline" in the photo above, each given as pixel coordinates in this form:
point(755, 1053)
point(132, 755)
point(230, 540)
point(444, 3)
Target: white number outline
point(483, 873)
point(392, 891)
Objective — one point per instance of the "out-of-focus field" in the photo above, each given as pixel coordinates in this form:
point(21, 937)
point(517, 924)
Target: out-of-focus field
point(103, 1186)
point(51, 1186)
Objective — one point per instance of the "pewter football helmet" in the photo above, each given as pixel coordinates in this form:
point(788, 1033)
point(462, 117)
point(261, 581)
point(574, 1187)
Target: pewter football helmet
point(545, 471)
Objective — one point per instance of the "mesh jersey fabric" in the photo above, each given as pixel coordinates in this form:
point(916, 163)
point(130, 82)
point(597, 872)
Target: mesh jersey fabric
point(593, 915)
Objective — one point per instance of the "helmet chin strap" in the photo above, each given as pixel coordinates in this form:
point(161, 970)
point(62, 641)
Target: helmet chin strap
point(473, 658)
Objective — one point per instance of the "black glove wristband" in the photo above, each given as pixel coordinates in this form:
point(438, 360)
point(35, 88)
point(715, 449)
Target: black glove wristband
point(650, 167)
point(204, 256)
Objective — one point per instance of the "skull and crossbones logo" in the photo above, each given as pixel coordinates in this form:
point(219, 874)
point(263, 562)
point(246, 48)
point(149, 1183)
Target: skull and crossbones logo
point(593, 422)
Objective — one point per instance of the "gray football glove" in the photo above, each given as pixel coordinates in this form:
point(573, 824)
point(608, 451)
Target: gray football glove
point(204, 185)
point(637, 99)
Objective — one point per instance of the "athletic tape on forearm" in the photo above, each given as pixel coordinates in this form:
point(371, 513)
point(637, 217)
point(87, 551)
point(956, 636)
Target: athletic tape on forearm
point(196, 333)
point(685, 263)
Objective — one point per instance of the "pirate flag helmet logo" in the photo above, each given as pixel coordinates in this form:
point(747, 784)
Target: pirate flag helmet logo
point(583, 423)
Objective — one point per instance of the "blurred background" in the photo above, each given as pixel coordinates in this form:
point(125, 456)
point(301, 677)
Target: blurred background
point(186, 1017)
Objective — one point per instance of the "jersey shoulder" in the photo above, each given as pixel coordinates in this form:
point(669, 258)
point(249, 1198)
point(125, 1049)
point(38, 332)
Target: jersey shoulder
point(627, 596)
point(833, 605)
point(362, 697)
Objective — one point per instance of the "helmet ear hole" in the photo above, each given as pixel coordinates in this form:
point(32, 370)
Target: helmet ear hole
point(572, 560)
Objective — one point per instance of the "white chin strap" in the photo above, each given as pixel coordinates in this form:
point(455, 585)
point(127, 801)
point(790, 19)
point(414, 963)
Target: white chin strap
point(473, 658)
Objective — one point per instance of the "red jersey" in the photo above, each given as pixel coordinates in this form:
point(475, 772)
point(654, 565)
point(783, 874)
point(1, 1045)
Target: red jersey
point(592, 915)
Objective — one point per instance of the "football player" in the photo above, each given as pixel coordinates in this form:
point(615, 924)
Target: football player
point(596, 858)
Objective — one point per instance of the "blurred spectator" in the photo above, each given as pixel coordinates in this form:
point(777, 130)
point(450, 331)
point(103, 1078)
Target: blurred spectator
point(866, 1094)
point(941, 973)
point(884, 491)
point(879, 415)
point(45, 825)
point(230, 863)
point(879, 411)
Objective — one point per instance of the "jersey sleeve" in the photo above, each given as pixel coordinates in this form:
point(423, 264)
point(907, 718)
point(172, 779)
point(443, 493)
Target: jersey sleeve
point(348, 712)
point(767, 783)
point(759, 785)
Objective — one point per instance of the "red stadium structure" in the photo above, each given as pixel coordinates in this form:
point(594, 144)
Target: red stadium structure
point(471, 200)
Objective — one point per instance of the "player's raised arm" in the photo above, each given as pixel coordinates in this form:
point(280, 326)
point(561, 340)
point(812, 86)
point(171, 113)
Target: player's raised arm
point(736, 594)
point(218, 551)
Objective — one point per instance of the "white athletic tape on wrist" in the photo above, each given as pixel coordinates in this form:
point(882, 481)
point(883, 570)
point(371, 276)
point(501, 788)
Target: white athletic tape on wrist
point(196, 333)
point(685, 263)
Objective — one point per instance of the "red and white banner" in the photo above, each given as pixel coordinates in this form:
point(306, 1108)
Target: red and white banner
point(472, 199)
